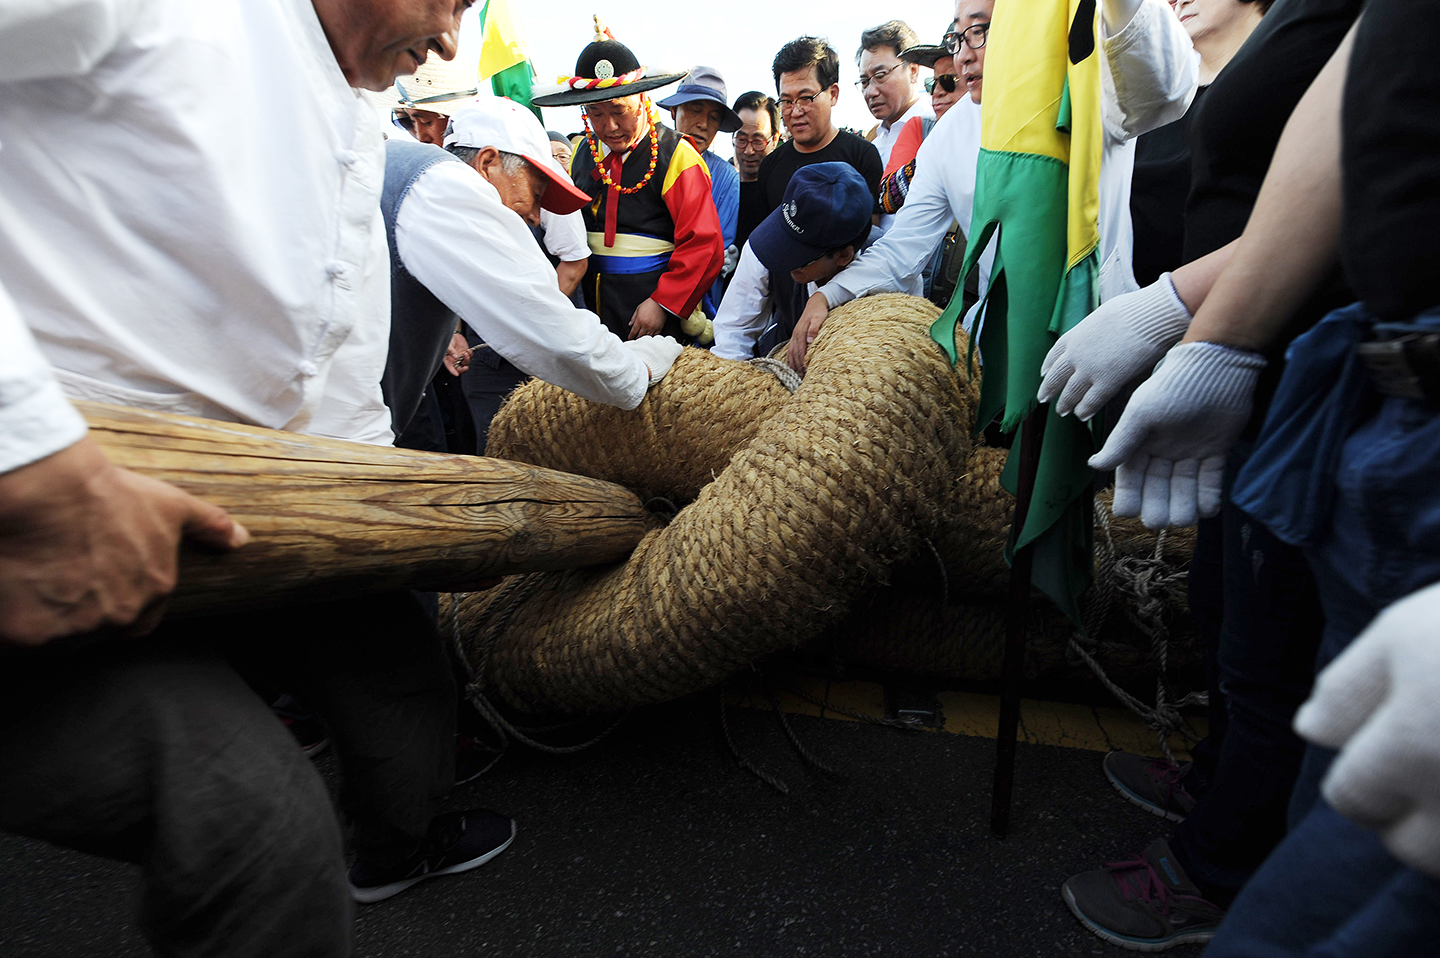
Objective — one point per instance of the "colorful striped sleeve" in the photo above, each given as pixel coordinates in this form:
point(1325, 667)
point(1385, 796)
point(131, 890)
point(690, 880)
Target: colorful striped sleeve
point(699, 248)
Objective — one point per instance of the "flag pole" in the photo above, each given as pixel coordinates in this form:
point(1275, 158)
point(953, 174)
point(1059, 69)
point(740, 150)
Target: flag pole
point(1032, 434)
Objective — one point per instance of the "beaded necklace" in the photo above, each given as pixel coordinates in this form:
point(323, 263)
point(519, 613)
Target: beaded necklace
point(593, 143)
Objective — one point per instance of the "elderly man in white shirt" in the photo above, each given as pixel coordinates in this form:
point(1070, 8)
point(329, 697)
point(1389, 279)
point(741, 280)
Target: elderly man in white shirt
point(171, 254)
point(1148, 77)
point(462, 249)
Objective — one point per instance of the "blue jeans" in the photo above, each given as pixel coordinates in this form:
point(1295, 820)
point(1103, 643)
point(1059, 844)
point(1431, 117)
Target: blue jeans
point(1332, 891)
point(1331, 888)
point(1256, 603)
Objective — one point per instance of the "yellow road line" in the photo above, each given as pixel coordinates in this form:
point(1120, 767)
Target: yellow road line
point(1061, 724)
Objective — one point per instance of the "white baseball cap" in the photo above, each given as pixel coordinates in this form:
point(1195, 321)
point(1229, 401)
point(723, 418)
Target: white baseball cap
point(505, 125)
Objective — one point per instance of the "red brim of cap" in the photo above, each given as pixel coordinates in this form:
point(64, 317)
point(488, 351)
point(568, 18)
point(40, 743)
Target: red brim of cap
point(563, 196)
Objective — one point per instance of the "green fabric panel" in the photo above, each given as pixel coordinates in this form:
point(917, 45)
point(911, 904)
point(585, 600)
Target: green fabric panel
point(1062, 121)
point(1023, 197)
point(1079, 294)
point(516, 83)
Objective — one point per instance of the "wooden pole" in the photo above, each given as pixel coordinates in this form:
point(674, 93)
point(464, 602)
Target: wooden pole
point(1032, 434)
point(332, 519)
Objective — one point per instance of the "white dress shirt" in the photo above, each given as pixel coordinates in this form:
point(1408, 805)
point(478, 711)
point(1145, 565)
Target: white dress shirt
point(1148, 78)
point(166, 246)
point(476, 255)
point(941, 192)
point(885, 136)
point(36, 420)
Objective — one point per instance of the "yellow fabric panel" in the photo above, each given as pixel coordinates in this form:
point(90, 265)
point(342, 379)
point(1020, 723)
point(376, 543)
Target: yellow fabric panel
point(685, 157)
point(1087, 142)
point(1025, 62)
point(629, 244)
point(504, 43)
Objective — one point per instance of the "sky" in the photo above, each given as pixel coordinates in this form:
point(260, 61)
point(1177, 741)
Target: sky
point(739, 38)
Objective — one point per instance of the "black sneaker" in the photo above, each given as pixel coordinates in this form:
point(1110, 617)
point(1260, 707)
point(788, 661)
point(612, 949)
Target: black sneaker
point(1146, 904)
point(458, 841)
point(1153, 784)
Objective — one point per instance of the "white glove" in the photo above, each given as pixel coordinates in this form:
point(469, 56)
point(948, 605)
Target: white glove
point(732, 259)
point(1168, 449)
point(1119, 342)
point(1379, 703)
point(658, 353)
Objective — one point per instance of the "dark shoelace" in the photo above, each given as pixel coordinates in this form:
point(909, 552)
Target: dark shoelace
point(1129, 874)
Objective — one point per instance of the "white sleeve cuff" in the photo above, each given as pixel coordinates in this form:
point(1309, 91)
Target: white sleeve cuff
point(38, 425)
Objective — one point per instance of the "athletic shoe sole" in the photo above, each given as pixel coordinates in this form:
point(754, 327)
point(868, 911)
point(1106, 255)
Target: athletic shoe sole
point(368, 896)
point(1134, 944)
point(1141, 802)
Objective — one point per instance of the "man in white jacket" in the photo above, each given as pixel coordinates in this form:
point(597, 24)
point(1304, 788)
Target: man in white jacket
point(459, 250)
point(173, 257)
point(1148, 78)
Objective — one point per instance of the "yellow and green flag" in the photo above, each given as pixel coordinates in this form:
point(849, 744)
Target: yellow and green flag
point(1037, 193)
point(504, 58)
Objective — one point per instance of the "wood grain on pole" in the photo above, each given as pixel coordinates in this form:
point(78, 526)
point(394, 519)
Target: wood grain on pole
point(331, 518)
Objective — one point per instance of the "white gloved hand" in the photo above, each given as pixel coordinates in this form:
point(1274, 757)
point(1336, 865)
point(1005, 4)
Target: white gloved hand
point(1119, 342)
point(732, 259)
point(658, 353)
point(1168, 449)
point(1379, 703)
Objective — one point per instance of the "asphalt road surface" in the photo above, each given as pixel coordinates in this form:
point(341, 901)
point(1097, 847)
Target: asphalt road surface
point(656, 842)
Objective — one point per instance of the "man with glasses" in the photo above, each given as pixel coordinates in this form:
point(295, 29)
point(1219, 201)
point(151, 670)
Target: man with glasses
point(889, 84)
point(807, 78)
point(757, 137)
point(1149, 76)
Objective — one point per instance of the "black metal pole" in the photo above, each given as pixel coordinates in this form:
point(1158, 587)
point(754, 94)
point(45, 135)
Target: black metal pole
point(1032, 433)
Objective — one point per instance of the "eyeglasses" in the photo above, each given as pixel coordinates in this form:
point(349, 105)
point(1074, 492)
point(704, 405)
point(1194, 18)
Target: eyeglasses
point(402, 118)
point(877, 78)
point(972, 37)
point(947, 82)
point(754, 142)
point(806, 101)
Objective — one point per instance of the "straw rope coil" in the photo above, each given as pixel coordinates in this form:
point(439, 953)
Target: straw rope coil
point(816, 496)
point(801, 506)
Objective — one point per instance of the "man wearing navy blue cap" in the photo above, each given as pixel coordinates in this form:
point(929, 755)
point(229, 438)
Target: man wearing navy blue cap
point(701, 112)
point(822, 222)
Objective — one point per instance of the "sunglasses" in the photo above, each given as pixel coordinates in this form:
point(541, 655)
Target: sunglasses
point(947, 81)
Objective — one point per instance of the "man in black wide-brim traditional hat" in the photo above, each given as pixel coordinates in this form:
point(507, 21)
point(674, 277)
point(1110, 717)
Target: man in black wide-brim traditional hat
point(655, 240)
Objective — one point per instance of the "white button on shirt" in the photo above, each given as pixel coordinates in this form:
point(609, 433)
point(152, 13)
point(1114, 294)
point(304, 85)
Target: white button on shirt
point(168, 243)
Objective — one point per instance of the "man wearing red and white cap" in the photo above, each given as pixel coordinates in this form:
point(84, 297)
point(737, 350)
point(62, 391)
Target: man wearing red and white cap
point(460, 248)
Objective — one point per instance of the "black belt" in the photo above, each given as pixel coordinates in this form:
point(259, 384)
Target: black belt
point(1404, 361)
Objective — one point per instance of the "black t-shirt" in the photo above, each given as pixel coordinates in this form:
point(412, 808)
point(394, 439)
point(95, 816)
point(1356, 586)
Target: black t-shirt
point(1233, 135)
point(777, 168)
point(751, 212)
point(1235, 128)
point(1158, 194)
point(1390, 152)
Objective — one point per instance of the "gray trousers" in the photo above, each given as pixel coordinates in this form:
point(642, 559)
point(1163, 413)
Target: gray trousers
point(155, 751)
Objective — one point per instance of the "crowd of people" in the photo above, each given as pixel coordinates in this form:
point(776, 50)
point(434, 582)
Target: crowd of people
point(1265, 354)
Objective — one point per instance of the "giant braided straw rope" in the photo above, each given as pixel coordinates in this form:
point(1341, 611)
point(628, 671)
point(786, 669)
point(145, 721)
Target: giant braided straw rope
point(716, 609)
point(816, 496)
